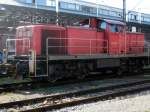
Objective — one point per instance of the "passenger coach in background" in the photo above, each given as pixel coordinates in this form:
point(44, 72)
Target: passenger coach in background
point(75, 51)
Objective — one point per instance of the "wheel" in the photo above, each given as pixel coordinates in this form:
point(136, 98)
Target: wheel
point(54, 73)
point(82, 73)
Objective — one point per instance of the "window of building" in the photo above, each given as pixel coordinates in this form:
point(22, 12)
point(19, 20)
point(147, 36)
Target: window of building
point(146, 19)
point(133, 17)
point(63, 5)
point(71, 6)
point(142, 18)
point(33, 1)
point(113, 13)
point(105, 12)
point(77, 7)
point(85, 9)
point(51, 3)
point(100, 11)
point(28, 1)
point(93, 10)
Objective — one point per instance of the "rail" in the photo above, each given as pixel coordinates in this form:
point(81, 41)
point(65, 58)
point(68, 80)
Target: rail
point(57, 101)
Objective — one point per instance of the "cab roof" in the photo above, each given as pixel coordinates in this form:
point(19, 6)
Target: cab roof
point(114, 22)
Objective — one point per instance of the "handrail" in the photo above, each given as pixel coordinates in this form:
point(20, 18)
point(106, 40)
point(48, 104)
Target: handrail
point(89, 44)
point(25, 44)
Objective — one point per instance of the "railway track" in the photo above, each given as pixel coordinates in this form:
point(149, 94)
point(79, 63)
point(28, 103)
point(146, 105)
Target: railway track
point(44, 83)
point(58, 101)
point(18, 86)
point(40, 84)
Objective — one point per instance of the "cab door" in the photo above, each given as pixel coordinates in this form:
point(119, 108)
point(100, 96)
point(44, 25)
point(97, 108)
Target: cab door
point(116, 40)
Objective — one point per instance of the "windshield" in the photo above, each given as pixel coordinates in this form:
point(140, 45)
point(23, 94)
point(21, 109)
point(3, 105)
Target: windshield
point(103, 25)
point(116, 28)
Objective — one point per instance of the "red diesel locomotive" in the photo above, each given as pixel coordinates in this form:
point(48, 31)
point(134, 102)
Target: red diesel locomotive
point(75, 51)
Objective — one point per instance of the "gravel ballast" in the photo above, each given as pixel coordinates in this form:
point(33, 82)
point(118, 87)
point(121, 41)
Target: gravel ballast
point(39, 92)
point(132, 103)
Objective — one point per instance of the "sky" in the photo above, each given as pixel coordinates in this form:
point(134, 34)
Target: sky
point(136, 5)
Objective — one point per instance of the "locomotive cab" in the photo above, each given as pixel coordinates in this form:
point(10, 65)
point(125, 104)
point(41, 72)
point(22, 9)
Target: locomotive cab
point(114, 32)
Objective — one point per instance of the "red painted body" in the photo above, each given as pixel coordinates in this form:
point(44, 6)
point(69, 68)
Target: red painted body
point(40, 34)
point(80, 40)
point(135, 42)
point(84, 41)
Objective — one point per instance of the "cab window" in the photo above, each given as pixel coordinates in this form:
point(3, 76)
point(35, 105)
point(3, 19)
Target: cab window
point(85, 23)
point(114, 28)
point(103, 25)
point(121, 28)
